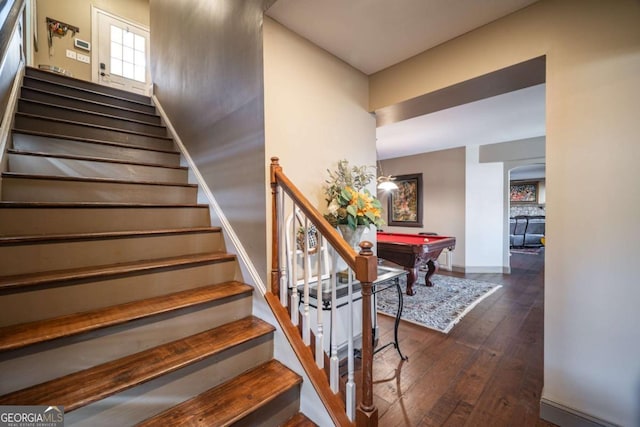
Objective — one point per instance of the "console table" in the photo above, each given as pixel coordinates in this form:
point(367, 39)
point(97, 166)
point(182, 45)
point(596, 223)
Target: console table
point(387, 278)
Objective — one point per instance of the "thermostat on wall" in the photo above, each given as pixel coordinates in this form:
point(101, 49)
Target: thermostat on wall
point(81, 44)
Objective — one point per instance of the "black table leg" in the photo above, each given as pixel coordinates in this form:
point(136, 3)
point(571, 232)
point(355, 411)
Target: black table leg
point(395, 342)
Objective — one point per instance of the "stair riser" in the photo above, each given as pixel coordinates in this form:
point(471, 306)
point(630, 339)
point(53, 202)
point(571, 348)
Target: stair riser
point(53, 166)
point(148, 399)
point(98, 293)
point(73, 354)
point(43, 190)
point(78, 148)
point(69, 91)
point(38, 124)
point(30, 221)
point(25, 106)
point(276, 413)
point(60, 79)
point(31, 258)
point(36, 95)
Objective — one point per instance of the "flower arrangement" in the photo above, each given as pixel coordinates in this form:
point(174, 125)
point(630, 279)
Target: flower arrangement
point(347, 199)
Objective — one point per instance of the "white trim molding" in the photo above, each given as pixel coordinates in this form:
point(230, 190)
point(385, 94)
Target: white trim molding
point(564, 416)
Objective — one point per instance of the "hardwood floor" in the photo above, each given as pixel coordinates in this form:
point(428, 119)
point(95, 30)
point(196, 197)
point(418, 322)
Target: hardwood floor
point(487, 371)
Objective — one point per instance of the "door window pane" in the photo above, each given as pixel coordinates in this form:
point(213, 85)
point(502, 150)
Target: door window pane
point(116, 67)
point(127, 70)
point(139, 43)
point(140, 74)
point(116, 34)
point(127, 54)
point(116, 50)
point(127, 39)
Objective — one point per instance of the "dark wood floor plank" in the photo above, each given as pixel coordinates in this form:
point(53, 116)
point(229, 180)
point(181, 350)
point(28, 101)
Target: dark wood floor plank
point(81, 388)
point(487, 371)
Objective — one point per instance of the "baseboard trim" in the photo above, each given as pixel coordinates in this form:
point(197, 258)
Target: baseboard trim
point(483, 269)
point(461, 269)
point(564, 416)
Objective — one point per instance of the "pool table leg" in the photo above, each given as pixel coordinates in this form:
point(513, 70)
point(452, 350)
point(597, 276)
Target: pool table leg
point(411, 279)
point(432, 267)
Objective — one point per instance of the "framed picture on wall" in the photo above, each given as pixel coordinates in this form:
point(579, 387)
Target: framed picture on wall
point(405, 203)
point(524, 192)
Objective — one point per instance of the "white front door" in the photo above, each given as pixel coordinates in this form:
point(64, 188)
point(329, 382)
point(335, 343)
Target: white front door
point(120, 56)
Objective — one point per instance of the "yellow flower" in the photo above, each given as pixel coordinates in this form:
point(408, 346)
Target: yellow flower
point(347, 199)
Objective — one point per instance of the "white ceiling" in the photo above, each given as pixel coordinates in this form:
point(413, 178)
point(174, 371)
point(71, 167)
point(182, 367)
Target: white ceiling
point(372, 35)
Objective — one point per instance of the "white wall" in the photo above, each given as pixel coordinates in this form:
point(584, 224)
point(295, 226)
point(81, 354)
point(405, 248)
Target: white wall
point(592, 341)
point(484, 216)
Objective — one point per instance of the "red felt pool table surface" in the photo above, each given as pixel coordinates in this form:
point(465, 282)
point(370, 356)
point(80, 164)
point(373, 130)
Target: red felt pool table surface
point(411, 250)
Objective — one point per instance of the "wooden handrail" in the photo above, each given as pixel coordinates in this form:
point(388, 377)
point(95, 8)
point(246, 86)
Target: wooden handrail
point(331, 234)
point(6, 29)
point(365, 267)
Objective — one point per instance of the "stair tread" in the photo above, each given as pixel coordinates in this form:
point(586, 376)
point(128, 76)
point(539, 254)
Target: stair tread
point(91, 125)
point(95, 85)
point(299, 420)
point(58, 276)
point(81, 388)
point(91, 158)
point(39, 238)
point(18, 336)
point(230, 401)
point(93, 179)
point(93, 113)
point(89, 101)
point(90, 140)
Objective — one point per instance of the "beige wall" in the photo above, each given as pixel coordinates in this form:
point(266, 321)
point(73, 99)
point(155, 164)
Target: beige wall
point(78, 13)
point(592, 343)
point(443, 193)
point(315, 110)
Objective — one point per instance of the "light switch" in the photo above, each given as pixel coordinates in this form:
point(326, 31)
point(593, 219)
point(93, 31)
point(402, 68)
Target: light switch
point(84, 58)
point(71, 54)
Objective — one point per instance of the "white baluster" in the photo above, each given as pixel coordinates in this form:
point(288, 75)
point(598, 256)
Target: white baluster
point(306, 327)
point(320, 305)
point(350, 398)
point(283, 255)
point(334, 371)
point(294, 270)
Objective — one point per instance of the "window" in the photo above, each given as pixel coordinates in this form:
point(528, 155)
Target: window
point(127, 54)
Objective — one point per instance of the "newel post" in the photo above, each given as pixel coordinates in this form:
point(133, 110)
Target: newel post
point(275, 247)
point(366, 273)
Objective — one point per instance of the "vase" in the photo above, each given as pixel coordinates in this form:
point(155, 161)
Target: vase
point(352, 236)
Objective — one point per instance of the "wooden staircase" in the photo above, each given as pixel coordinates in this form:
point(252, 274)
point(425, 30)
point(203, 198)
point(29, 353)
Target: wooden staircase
point(117, 297)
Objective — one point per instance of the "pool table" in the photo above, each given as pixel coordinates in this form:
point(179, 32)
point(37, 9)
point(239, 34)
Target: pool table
point(411, 250)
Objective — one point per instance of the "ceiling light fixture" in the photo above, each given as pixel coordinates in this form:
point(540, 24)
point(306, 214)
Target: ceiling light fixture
point(385, 182)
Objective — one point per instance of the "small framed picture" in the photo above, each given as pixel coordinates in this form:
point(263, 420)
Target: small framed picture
point(405, 203)
point(524, 192)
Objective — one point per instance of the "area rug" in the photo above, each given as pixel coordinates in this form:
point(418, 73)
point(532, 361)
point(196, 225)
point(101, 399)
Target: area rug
point(439, 307)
